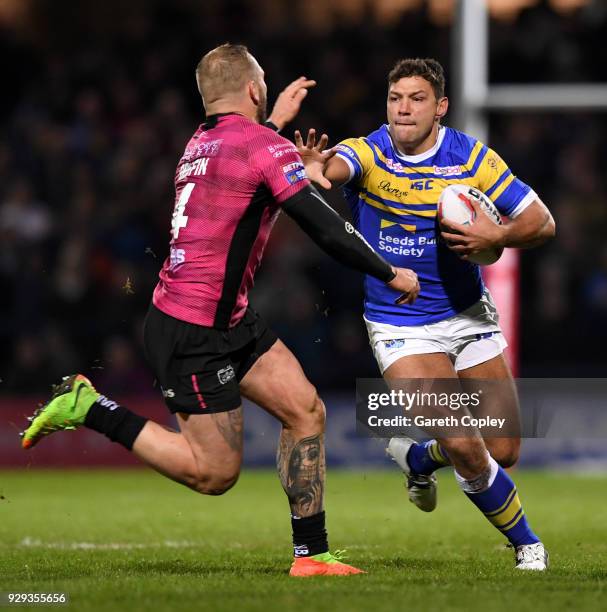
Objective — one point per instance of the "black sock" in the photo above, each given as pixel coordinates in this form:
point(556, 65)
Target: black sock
point(309, 535)
point(118, 423)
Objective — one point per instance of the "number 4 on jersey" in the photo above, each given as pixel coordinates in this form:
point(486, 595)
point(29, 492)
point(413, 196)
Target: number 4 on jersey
point(179, 220)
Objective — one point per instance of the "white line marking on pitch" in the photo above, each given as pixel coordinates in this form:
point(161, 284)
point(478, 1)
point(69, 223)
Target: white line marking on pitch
point(35, 543)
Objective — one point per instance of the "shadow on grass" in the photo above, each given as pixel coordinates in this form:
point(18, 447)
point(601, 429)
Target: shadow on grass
point(411, 563)
point(237, 567)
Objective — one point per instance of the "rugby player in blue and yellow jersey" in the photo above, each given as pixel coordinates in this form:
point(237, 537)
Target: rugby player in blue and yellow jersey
point(392, 180)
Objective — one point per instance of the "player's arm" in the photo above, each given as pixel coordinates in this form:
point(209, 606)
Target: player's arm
point(531, 228)
point(288, 183)
point(323, 167)
point(340, 240)
point(288, 103)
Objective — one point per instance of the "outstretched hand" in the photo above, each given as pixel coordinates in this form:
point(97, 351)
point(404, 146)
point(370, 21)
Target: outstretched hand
point(407, 283)
point(468, 240)
point(314, 156)
point(289, 101)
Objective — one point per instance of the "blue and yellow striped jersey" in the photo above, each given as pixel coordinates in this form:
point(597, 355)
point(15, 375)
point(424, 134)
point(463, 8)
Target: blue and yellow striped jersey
point(393, 198)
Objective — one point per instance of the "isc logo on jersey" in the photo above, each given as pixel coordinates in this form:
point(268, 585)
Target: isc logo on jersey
point(294, 172)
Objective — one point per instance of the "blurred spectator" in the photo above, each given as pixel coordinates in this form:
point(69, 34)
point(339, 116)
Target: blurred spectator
point(29, 370)
point(22, 217)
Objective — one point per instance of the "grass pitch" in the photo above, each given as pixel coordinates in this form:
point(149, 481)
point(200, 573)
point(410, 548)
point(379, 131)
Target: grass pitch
point(131, 540)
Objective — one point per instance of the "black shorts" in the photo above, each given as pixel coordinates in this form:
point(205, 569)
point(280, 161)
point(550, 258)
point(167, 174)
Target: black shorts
point(199, 368)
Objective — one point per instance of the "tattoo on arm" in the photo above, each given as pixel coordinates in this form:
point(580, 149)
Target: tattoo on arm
point(301, 467)
point(229, 425)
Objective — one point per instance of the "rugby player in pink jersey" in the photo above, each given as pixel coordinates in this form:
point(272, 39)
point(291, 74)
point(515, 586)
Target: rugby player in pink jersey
point(206, 346)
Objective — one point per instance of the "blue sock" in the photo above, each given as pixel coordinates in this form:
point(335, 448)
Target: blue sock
point(427, 457)
point(496, 497)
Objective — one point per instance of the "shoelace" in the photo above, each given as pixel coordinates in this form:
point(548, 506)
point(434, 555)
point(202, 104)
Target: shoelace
point(339, 555)
point(529, 554)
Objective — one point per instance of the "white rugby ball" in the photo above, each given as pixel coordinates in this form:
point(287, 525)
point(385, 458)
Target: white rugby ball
point(455, 204)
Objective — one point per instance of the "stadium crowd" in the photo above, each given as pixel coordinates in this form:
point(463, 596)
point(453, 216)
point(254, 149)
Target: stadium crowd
point(102, 101)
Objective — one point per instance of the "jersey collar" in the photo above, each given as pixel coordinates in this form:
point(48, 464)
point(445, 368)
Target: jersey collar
point(421, 156)
point(212, 120)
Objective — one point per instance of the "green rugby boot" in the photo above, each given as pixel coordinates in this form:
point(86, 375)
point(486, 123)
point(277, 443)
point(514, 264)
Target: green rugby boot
point(66, 409)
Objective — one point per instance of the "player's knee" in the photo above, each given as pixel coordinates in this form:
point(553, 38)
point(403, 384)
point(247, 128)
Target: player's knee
point(308, 414)
point(507, 452)
point(215, 484)
point(314, 413)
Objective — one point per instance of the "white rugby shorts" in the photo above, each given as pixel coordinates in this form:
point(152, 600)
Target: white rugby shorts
point(468, 338)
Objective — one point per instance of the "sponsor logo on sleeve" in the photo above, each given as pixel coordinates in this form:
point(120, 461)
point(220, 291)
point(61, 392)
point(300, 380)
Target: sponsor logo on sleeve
point(347, 150)
point(294, 172)
point(278, 150)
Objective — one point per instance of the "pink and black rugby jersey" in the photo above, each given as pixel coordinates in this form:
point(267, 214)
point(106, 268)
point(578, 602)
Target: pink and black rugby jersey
point(229, 185)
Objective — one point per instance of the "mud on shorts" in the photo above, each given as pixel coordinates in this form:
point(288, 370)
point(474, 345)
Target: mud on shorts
point(199, 368)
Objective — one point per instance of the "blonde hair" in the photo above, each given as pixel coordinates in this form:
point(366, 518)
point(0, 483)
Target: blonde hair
point(224, 70)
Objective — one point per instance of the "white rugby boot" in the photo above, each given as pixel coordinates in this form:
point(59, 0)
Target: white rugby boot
point(421, 488)
point(532, 557)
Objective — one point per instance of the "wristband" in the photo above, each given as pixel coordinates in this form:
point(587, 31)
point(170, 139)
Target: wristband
point(272, 126)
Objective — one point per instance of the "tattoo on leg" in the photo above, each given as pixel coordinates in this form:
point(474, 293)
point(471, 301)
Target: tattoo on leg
point(301, 467)
point(229, 425)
